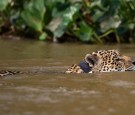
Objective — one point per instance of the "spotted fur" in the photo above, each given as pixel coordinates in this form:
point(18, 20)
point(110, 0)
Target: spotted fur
point(74, 69)
point(8, 72)
point(106, 61)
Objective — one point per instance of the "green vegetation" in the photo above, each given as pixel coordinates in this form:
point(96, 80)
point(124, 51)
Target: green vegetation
point(92, 21)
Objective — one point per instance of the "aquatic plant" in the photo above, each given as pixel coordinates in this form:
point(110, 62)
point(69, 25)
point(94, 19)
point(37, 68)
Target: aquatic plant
point(92, 21)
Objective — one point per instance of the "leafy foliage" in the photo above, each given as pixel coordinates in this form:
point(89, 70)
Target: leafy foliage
point(3, 4)
point(94, 21)
point(33, 14)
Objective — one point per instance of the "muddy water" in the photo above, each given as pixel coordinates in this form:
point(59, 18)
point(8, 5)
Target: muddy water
point(45, 90)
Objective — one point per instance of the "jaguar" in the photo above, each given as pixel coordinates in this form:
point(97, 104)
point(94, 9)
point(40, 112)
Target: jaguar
point(99, 61)
point(103, 61)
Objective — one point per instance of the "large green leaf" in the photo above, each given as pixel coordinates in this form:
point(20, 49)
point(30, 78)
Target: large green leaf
point(84, 32)
point(3, 4)
point(104, 13)
point(110, 23)
point(63, 19)
point(67, 17)
point(33, 14)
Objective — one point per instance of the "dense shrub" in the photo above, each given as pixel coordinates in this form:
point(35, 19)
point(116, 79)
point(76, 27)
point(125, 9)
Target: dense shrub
point(94, 21)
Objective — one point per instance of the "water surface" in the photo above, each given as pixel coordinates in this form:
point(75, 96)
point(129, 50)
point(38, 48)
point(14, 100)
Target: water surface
point(45, 90)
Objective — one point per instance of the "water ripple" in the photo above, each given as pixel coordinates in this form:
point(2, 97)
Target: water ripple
point(120, 83)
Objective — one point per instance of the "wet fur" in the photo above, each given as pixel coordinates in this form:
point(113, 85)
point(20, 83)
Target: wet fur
point(105, 61)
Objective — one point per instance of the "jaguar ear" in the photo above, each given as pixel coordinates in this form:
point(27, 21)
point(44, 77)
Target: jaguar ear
point(91, 59)
point(117, 51)
point(133, 62)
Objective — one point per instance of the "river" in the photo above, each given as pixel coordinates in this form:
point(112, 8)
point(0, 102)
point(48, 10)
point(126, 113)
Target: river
point(44, 89)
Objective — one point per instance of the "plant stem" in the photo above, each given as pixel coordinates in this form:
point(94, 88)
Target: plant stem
point(98, 38)
point(117, 36)
point(106, 33)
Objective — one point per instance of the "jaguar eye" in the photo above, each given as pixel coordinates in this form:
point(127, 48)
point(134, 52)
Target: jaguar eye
point(119, 59)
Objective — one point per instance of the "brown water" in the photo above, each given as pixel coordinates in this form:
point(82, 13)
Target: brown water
point(46, 90)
